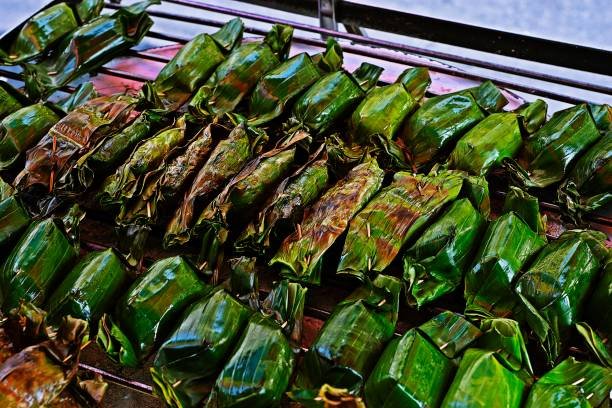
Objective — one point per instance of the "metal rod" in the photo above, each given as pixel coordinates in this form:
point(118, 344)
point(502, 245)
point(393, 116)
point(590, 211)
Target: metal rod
point(134, 385)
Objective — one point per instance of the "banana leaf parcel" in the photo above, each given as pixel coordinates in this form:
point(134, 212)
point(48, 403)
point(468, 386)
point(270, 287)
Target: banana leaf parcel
point(198, 348)
point(258, 373)
point(351, 340)
point(572, 383)
point(88, 48)
point(549, 154)
point(194, 63)
point(238, 74)
point(331, 98)
point(90, 288)
point(14, 217)
point(416, 369)
point(11, 100)
point(509, 243)
point(496, 138)
point(598, 311)
point(44, 30)
point(588, 187)
point(39, 259)
point(228, 157)
point(22, 129)
point(283, 84)
point(73, 136)
point(301, 253)
point(435, 127)
point(436, 263)
point(285, 208)
point(555, 287)
point(148, 310)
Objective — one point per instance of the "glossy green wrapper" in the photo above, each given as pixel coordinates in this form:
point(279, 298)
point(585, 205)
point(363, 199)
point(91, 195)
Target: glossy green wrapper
point(90, 288)
point(436, 263)
point(225, 161)
point(496, 138)
point(598, 311)
point(555, 287)
point(259, 371)
point(147, 311)
point(22, 129)
point(44, 30)
point(572, 383)
point(301, 253)
point(198, 348)
point(548, 155)
point(433, 129)
point(39, 260)
point(88, 48)
point(379, 231)
point(10, 100)
point(283, 84)
point(14, 218)
point(238, 74)
point(351, 340)
point(588, 186)
point(332, 97)
point(194, 63)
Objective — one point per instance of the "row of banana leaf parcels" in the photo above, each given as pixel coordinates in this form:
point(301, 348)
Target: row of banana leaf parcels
point(150, 159)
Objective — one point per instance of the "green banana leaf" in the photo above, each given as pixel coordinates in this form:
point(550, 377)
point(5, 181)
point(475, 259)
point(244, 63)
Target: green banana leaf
point(22, 129)
point(44, 30)
point(549, 154)
point(198, 348)
point(301, 253)
point(82, 94)
point(527, 208)
point(238, 201)
point(598, 311)
point(398, 212)
point(496, 138)
point(504, 336)
point(602, 116)
point(588, 186)
point(88, 48)
point(572, 383)
point(283, 84)
point(194, 64)
point(436, 263)
point(113, 150)
point(351, 340)
point(555, 287)
point(14, 218)
point(90, 288)
point(147, 158)
point(148, 310)
point(326, 397)
point(332, 97)
point(6, 190)
point(384, 109)
point(238, 74)
point(416, 369)
point(478, 372)
point(39, 259)
point(11, 100)
point(599, 347)
point(74, 135)
point(434, 128)
point(225, 161)
point(259, 371)
point(285, 208)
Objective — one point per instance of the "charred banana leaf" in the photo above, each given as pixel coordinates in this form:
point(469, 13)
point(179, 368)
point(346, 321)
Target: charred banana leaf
point(11, 100)
point(300, 255)
point(351, 340)
point(379, 231)
point(434, 128)
point(194, 63)
point(198, 348)
point(436, 263)
point(225, 161)
point(39, 259)
point(44, 30)
point(496, 138)
point(149, 309)
point(88, 48)
point(90, 288)
point(22, 129)
point(549, 154)
point(238, 74)
point(555, 287)
point(258, 373)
